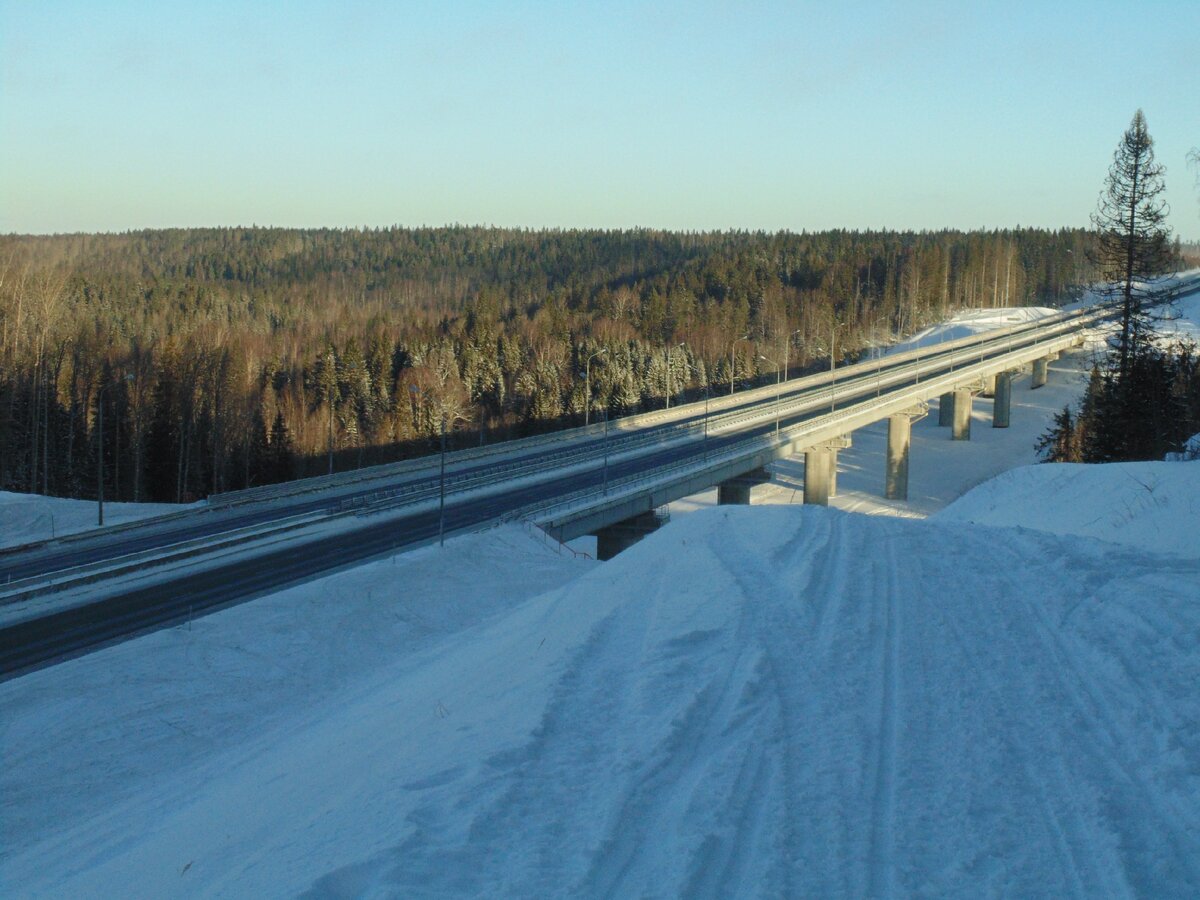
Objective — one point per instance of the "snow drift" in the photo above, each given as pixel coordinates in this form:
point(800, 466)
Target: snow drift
point(754, 701)
point(1154, 506)
point(25, 518)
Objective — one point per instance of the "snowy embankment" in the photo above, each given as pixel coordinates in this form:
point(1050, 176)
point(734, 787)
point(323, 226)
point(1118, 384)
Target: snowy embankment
point(25, 518)
point(1153, 506)
point(771, 701)
point(970, 322)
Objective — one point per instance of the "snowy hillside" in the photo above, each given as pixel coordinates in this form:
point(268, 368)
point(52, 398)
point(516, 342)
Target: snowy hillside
point(25, 518)
point(764, 702)
point(1153, 506)
point(968, 322)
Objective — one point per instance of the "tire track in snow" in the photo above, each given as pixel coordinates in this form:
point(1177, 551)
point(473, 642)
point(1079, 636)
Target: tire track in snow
point(657, 797)
point(1063, 830)
point(1088, 699)
point(884, 802)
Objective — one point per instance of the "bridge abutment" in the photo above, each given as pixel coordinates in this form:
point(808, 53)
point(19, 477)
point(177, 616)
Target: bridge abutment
point(622, 535)
point(736, 491)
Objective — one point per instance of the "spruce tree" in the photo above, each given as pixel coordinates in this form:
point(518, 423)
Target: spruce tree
point(1133, 239)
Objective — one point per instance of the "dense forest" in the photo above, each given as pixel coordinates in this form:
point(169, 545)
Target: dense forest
point(215, 359)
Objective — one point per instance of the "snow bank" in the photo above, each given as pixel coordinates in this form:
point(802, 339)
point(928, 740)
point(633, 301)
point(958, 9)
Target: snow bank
point(776, 701)
point(1184, 324)
point(99, 738)
point(969, 322)
point(1190, 451)
point(25, 518)
point(1153, 506)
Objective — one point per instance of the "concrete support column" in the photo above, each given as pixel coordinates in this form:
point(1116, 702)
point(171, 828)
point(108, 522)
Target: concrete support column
point(736, 491)
point(899, 442)
point(1002, 403)
point(989, 385)
point(962, 416)
point(614, 538)
point(1041, 371)
point(946, 409)
point(817, 475)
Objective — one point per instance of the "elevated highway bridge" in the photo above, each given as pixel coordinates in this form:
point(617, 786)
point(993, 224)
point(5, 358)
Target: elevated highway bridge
point(63, 597)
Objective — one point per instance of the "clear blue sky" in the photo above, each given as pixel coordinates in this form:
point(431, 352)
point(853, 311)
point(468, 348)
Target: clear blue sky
point(693, 115)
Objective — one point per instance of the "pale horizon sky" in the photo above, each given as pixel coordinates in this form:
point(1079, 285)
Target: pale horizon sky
point(699, 116)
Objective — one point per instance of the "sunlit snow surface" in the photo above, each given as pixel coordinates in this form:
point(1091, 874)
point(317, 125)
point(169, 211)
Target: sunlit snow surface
point(774, 701)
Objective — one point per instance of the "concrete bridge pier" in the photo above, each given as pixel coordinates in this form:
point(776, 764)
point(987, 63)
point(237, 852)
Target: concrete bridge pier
point(898, 447)
point(989, 385)
point(1041, 372)
point(736, 491)
point(961, 428)
point(816, 476)
point(946, 409)
point(820, 471)
point(1002, 404)
point(612, 539)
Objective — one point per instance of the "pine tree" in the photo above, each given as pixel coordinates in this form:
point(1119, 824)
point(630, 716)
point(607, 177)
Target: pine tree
point(1133, 240)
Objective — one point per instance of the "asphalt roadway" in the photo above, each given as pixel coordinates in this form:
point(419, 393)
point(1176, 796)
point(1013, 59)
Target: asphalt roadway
point(179, 596)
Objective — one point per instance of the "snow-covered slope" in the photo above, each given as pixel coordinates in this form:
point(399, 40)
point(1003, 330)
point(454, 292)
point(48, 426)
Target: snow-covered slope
point(774, 701)
point(968, 322)
point(1154, 506)
point(25, 518)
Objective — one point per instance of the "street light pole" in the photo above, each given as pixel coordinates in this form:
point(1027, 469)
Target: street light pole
point(787, 354)
point(733, 360)
point(606, 451)
point(587, 385)
point(706, 396)
point(442, 489)
point(833, 329)
point(778, 389)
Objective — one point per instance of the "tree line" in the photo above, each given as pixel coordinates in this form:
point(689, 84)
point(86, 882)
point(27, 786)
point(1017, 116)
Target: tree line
point(227, 358)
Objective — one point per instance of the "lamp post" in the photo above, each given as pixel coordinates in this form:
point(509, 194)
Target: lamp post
point(100, 449)
point(787, 353)
point(833, 330)
point(442, 488)
point(778, 388)
point(412, 389)
point(706, 394)
point(606, 451)
point(733, 360)
point(587, 383)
